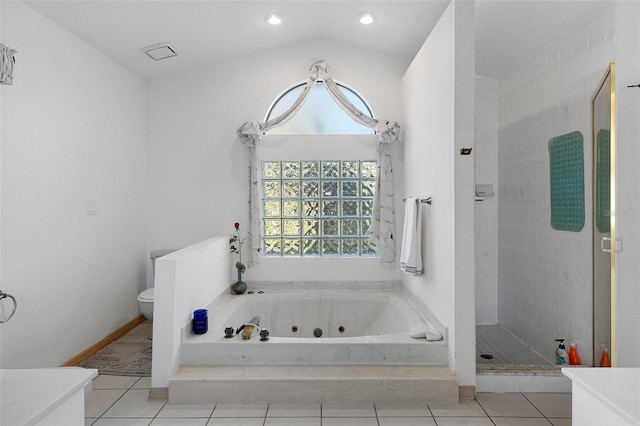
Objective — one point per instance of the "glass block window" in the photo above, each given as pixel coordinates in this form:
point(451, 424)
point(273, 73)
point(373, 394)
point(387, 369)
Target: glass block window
point(320, 114)
point(318, 208)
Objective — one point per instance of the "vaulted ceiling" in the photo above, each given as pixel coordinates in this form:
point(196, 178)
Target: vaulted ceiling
point(507, 31)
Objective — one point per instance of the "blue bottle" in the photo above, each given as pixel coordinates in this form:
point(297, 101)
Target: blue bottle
point(200, 321)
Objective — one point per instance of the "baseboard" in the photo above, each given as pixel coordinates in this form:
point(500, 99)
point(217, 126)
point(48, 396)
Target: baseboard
point(467, 392)
point(159, 394)
point(104, 342)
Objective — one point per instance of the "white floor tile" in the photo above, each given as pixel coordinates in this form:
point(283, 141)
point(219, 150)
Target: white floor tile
point(88, 421)
point(135, 403)
point(520, 421)
point(237, 421)
point(292, 421)
point(466, 408)
point(551, 404)
point(402, 410)
point(100, 400)
point(406, 421)
point(179, 422)
point(560, 422)
point(143, 383)
point(105, 381)
point(122, 422)
point(464, 421)
point(293, 410)
point(187, 410)
point(348, 410)
point(240, 410)
point(349, 421)
point(507, 405)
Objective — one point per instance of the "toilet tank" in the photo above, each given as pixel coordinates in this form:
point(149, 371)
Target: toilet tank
point(159, 253)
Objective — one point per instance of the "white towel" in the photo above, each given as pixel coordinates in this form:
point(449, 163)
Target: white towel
point(411, 254)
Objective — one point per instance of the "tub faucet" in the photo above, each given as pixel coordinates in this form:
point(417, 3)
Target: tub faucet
point(249, 327)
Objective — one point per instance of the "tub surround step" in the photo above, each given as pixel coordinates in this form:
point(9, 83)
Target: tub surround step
point(316, 383)
point(212, 349)
point(525, 379)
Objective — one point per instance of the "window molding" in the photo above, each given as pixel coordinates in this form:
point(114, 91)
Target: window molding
point(330, 113)
point(250, 134)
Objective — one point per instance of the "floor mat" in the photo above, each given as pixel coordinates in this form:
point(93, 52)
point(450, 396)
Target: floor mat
point(122, 359)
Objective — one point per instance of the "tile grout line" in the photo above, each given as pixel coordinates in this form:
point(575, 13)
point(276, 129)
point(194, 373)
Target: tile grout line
point(375, 411)
point(536, 407)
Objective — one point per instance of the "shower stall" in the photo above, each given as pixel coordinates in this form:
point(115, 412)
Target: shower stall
point(545, 270)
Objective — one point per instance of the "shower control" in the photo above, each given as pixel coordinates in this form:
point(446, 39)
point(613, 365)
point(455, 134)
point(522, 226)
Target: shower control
point(91, 207)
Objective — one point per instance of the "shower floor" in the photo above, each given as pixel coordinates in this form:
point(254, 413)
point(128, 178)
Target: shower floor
point(507, 352)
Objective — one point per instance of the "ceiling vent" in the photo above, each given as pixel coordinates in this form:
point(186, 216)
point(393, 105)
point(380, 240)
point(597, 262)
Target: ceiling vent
point(161, 51)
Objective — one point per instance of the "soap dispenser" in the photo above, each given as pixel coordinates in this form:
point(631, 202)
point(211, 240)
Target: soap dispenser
point(561, 353)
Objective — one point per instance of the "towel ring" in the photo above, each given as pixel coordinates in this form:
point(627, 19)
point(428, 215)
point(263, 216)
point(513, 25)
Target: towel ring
point(4, 295)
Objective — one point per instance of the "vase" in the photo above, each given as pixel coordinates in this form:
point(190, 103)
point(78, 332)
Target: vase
point(240, 286)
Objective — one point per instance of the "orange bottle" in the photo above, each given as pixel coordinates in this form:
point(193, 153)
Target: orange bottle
point(574, 358)
point(605, 361)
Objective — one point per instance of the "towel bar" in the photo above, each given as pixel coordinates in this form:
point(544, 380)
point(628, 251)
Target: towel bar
point(421, 200)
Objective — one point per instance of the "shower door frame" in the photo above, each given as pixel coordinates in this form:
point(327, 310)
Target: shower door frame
point(606, 87)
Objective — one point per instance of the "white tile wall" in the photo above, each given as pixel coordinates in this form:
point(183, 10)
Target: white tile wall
point(544, 275)
point(486, 211)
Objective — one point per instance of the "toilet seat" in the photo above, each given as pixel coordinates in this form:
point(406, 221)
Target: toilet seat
point(147, 295)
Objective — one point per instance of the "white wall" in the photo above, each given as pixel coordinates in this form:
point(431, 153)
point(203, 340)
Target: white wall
point(198, 171)
point(486, 211)
point(627, 55)
point(73, 129)
point(545, 287)
point(186, 280)
point(438, 99)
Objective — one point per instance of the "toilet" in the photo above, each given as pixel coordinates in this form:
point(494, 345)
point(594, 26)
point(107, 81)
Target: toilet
point(145, 303)
point(145, 298)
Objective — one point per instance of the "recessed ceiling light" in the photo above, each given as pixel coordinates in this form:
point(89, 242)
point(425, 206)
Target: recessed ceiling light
point(274, 19)
point(367, 18)
point(160, 51)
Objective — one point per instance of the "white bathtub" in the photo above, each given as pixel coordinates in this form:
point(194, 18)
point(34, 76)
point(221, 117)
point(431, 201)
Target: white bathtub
point(358, 327)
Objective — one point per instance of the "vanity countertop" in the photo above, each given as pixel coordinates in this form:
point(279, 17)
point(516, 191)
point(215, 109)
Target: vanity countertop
point(617, 388)
point(28, 395)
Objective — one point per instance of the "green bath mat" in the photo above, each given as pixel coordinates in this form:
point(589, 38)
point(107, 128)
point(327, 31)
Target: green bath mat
point(603, 179)
point(566, 166)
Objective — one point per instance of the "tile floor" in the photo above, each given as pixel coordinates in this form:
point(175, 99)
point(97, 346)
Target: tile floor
point(123, 401)
point(506, 349)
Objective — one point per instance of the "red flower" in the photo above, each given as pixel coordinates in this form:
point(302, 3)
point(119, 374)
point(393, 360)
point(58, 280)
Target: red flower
point(237, 225)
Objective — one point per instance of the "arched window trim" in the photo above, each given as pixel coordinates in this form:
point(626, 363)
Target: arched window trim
point(302, 83)
point(387, 131)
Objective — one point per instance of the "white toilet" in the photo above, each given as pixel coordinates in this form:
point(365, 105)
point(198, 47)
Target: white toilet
point(145, 299)
point(145, 303)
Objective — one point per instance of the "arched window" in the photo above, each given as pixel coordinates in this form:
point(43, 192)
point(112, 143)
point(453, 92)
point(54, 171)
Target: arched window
point(320, 114)
point(314, 206)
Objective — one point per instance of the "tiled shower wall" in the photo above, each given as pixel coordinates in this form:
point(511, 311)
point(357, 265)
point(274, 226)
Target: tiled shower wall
point(486, 209)
point(544, 275)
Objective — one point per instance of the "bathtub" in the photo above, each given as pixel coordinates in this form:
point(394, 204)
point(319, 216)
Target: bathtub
point(355, 327)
